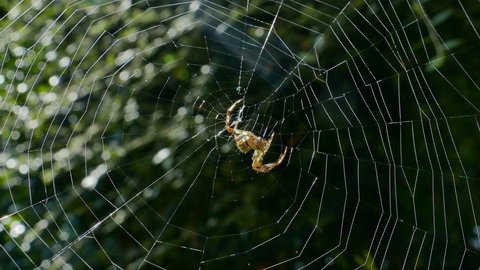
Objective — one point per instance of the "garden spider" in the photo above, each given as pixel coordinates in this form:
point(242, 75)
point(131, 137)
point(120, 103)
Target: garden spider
point(247, 141)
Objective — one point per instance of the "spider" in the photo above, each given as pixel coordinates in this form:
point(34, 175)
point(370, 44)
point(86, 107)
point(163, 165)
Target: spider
point(247, 141)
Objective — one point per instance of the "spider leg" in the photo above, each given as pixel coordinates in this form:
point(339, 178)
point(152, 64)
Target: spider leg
point(228, 126)
point(264, 168)
point(267, 146)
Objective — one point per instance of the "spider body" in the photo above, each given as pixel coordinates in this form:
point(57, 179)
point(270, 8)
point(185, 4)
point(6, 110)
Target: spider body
point(247, 140)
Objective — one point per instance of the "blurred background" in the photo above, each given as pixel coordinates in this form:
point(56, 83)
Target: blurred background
point(114, 153)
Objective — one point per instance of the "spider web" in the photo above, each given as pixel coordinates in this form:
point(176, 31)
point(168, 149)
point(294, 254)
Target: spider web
point(115, 153)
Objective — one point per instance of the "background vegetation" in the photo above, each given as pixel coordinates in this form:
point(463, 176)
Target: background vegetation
point(114, 153)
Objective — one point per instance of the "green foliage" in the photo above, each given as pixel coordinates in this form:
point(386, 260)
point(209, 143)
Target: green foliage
point(113, 149)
